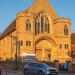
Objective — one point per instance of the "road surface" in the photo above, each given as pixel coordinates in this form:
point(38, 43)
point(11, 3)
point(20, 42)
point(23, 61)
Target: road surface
point(21, 73)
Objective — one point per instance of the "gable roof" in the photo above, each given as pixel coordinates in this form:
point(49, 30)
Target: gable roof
point(73, 38)
point(9, 29)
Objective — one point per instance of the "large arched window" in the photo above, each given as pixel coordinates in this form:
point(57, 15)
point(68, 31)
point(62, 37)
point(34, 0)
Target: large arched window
point(65, 30)
point(28, 25)
point(42, 23)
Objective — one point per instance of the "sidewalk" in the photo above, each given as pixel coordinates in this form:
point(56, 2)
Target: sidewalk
point(65, 72)
point(10, 72)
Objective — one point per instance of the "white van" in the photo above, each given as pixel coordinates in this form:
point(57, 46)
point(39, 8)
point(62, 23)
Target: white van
point(29, 58)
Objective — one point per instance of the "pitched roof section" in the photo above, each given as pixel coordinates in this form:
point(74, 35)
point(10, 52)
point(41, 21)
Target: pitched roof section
point(41, 1)
point(39, 5)
point(73, 38)
point(9, 29)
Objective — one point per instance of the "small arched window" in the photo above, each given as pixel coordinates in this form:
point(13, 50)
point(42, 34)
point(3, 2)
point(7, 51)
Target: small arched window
point(28, 25)
point(65, 30)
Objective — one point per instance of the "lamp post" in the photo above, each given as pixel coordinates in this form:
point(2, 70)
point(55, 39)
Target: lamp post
point(17, 42)
point(17, 46)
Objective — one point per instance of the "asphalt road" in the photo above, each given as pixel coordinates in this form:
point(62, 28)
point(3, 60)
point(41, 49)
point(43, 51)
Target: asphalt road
point(66, 74)
point(21, 73)
point(9, 72)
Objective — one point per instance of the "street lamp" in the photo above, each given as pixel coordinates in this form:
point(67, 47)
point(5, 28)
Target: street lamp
point(17, 46)
point(17, 42)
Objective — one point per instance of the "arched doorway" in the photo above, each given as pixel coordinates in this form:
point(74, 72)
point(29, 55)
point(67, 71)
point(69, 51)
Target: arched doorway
point(44, 48)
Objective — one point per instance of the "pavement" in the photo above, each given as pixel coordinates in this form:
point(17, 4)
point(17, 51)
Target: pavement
point(66, 73)
point(9, 72)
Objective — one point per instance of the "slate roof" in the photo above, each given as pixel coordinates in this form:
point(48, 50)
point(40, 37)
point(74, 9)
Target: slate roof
point(9, 29)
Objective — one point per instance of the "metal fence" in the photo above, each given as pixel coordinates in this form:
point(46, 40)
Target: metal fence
point(10, 72)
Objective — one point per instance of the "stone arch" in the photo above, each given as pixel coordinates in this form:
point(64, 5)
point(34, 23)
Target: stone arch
point(44, 46)
point(46, 38)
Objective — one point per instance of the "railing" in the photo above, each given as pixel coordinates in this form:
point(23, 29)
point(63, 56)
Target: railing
point(10, 72)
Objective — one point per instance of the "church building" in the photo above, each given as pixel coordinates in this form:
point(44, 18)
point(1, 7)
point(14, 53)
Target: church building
point(40, 31)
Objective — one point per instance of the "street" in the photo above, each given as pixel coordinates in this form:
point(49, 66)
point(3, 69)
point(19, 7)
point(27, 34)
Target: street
point(66, 74)
point(9, 72)
point(21, 73)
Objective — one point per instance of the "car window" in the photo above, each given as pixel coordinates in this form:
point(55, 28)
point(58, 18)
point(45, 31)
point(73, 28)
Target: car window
point(38, 65)
point(42, 65)
point(32, 64)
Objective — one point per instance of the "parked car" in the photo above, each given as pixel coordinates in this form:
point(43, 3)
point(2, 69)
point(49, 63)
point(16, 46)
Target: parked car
point(37, 68)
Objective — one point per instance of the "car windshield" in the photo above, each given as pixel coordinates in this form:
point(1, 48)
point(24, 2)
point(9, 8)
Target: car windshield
point(44, 65)
point(40, 65)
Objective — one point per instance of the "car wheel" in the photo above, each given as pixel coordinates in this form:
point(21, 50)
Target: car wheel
point(25, 72)
point(29, 74)
point(40, 73)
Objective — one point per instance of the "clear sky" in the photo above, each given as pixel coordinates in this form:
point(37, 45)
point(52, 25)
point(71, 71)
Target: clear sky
point(9, 9)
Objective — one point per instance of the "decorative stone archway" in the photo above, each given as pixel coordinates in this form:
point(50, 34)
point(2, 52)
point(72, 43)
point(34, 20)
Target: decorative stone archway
point(48, 38)
point(44, 47)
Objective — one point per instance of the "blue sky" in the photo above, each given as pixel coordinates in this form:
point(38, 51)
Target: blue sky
point(9, 9)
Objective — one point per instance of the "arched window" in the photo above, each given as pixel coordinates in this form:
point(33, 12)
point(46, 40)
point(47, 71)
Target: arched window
point(28, 25)
point(47, 26)
point(37, 26)
point(42, 23)
point(65, 30)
